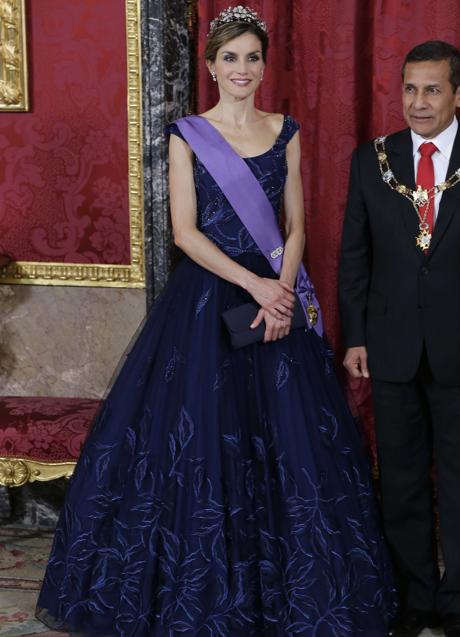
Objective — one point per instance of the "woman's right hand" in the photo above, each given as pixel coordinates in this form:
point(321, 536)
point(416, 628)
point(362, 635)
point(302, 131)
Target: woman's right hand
point(274, 296)
point(274, 328)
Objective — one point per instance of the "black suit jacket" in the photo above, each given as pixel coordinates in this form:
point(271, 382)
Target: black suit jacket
point(394, 299)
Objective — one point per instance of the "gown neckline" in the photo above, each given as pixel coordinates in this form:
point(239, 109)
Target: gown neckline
point(278, 137)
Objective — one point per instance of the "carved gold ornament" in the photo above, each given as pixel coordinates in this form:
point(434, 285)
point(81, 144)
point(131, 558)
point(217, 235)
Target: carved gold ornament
point(14, 472)
point(419, 198)
point(13, 56)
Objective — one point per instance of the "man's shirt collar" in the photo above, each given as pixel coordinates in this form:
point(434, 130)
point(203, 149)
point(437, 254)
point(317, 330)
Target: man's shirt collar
point(444, 141)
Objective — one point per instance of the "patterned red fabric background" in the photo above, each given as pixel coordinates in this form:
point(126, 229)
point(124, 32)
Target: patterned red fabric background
point(45, 429)
point(335, 66)
point(64, 165)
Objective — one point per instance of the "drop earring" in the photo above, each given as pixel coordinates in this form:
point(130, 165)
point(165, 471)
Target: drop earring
point(213, 75)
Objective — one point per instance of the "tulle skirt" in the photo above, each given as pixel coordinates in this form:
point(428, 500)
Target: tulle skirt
point(220, 493)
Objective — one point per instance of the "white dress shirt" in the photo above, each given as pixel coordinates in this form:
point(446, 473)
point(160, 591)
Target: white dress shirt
point(444, 142)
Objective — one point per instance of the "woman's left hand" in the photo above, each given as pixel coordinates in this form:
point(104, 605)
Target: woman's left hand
point(275, 328)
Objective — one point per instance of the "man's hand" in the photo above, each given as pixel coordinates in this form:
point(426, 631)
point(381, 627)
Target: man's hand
point(355, 362)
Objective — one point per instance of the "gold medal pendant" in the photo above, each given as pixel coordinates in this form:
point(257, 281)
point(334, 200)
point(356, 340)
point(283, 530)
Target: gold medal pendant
point(423, 239)
point(312, 313)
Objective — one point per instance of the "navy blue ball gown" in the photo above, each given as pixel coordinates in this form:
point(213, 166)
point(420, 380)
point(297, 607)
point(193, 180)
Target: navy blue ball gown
point(221, 493)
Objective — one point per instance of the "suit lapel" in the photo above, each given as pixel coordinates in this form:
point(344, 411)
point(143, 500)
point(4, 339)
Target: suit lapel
point(401, 159)
point(450, 199)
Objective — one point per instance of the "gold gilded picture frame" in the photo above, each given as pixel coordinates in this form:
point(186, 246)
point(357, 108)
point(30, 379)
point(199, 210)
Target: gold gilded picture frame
point(13, 56)
point(131, 275)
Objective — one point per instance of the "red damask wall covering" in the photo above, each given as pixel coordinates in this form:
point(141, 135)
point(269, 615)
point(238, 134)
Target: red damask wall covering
point(64, 165)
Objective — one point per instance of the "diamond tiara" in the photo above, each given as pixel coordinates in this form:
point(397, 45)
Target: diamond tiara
point(237, 14)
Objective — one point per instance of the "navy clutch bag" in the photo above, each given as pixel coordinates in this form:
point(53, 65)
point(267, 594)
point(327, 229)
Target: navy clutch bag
point(238, 320)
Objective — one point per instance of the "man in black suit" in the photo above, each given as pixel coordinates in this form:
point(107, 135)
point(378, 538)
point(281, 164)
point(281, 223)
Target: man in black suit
point(399, 287)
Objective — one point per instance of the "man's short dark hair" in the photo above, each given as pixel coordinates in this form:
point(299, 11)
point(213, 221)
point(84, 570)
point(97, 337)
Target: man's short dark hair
point(435, 51)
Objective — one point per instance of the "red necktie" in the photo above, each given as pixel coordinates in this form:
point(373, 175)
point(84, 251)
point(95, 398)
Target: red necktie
point(425, 179)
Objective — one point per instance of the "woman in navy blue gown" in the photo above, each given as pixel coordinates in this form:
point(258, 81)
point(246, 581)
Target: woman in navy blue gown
point(224, 492)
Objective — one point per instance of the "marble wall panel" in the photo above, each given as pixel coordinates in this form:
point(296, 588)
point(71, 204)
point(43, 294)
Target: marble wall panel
point(61, 341)
point(167, 75)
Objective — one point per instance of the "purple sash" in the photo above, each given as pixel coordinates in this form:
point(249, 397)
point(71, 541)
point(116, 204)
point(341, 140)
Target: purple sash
point(240, 186)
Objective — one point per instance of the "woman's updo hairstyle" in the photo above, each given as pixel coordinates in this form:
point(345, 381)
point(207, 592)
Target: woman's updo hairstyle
point(232, 23)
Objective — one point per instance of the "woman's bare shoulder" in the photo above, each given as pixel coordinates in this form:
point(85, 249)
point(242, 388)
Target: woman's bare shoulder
point(273, 120)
